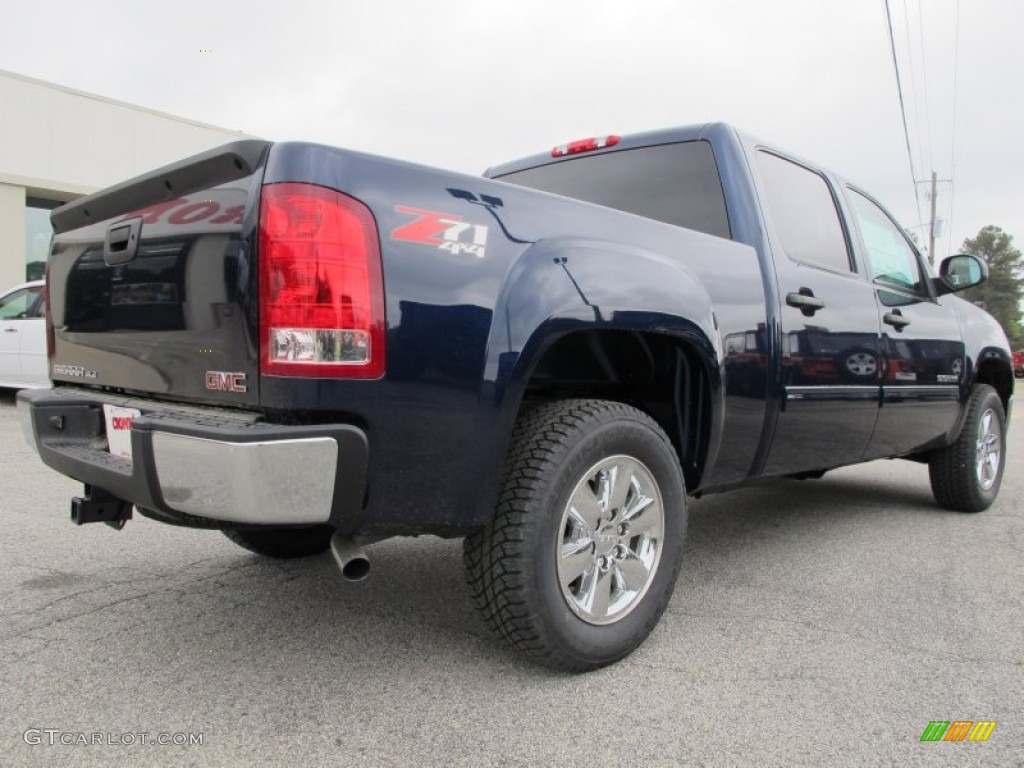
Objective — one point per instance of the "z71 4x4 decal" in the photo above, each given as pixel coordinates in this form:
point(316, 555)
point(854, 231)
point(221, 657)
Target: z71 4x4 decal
point(446, 231)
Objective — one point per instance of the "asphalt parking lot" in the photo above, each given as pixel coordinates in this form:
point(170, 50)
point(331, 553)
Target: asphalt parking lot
point(815, 623)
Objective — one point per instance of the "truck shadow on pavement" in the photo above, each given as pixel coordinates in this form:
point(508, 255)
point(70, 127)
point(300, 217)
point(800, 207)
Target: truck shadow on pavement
point(200, 597)
point(415, 604)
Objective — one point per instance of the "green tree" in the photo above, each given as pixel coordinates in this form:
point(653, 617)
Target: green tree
point(1001, 294)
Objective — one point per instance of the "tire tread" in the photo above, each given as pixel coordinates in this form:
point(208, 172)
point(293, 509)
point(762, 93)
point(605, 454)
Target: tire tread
point(494, 556)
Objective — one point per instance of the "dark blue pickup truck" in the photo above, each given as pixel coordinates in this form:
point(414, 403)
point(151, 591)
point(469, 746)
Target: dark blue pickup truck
point(313, 348)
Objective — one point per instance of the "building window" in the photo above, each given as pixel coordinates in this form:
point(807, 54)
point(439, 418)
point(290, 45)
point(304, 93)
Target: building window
point(37, 235)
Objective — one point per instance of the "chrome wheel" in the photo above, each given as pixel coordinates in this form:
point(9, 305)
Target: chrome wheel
point(989, 445)
point(611, 540)
point(581, 558)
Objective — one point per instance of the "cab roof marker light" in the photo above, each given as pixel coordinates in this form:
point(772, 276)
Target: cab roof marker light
point(585, 145)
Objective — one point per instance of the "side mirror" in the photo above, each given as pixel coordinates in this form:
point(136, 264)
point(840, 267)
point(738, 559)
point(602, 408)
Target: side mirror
point(960, 272)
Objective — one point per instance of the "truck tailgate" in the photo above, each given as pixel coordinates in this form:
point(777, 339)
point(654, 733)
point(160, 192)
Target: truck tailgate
point(151, 284)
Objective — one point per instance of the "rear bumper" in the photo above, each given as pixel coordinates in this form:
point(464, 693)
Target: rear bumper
point(203, 466)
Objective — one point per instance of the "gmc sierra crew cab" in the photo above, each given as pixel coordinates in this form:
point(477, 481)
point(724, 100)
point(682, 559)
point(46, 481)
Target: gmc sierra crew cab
point(310, 348)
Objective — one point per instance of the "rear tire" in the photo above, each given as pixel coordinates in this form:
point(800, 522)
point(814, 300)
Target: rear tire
point(581, 557)
point(966, 475)
point(283, 542)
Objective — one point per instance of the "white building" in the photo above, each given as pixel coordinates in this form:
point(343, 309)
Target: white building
point(57, 144)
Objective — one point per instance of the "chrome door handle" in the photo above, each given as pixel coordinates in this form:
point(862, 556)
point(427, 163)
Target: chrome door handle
point(805, 301)
point(896, 320)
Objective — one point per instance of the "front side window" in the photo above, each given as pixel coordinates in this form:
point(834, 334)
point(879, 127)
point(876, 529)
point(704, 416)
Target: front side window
point(800, 204)
point(892, 260)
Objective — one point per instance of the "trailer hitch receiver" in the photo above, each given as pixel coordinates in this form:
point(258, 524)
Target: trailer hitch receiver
point(99, 506)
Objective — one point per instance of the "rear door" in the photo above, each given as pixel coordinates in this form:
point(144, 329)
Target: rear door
point(829, 364)
point(923, 353)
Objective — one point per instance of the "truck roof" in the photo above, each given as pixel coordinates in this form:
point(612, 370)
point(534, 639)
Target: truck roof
point(629, 141)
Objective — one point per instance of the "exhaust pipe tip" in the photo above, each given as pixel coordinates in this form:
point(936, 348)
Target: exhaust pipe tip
point(350, 557)
point(357, 569)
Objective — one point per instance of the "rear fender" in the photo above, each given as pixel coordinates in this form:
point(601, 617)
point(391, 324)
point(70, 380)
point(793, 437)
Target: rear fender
point(562, 285)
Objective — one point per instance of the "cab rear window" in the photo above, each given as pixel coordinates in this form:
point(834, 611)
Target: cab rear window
point(674, 183)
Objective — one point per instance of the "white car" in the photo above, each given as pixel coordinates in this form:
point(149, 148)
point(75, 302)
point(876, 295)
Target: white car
point(23, 337)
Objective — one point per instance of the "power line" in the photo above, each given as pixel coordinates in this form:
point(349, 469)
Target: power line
point(952, 154)
point(903, 108)
point(915, 102)
point(924, 76)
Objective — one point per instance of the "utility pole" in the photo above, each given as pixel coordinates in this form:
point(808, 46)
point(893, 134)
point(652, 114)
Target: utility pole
point(931, 222)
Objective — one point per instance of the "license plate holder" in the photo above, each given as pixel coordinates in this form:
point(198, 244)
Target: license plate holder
point(119, 429)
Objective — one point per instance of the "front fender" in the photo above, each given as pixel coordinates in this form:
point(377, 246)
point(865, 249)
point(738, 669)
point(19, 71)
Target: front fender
point(986, 347)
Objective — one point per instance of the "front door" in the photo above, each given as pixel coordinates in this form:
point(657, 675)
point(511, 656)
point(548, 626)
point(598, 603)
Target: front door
point(924, 355)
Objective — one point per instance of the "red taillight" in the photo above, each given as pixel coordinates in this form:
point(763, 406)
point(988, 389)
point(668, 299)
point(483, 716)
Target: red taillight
point(321, 287)
point(584, 145)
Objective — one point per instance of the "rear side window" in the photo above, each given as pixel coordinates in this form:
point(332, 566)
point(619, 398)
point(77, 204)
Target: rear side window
point(800, 205)
point(674, 183)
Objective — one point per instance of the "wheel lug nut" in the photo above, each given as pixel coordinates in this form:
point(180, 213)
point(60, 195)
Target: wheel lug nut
point(623, 529)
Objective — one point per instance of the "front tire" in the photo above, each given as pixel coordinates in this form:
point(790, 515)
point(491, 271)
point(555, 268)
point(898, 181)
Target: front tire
point(284, 543)
point(966, 475)
point(581, 557)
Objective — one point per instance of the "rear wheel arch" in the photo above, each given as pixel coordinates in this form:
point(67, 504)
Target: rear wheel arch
point(663, 375)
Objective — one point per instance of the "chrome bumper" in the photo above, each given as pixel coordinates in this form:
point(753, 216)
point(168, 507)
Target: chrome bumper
point(280, 482)
point(194, 464)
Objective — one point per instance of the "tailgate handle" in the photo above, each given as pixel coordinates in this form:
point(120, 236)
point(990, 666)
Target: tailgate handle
point(122, 241)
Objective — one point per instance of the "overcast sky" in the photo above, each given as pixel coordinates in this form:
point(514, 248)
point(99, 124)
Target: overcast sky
point(464, 85)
